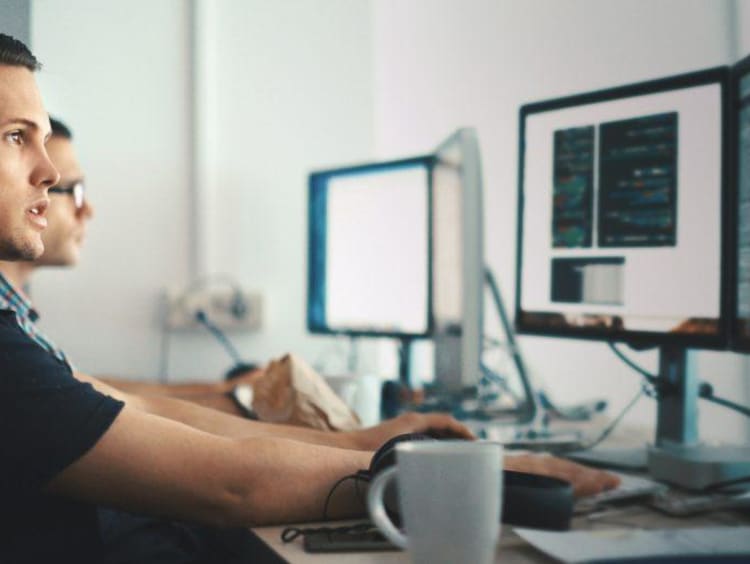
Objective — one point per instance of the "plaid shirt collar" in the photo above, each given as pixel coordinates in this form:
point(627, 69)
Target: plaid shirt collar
point(11, 299)
point(26, 316)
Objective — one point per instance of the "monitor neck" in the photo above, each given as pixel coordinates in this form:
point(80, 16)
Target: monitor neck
point(677, 410)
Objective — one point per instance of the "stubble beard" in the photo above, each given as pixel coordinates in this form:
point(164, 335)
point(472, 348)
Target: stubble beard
point(18, 250)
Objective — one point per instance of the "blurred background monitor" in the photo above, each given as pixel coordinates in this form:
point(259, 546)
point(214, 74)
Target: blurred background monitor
point(623, 214)
point(741, 118)
point(369, 250)
point(458, 260)
point(396, 250)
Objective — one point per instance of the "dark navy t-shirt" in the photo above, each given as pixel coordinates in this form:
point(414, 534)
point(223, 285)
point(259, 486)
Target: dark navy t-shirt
point(48, 419)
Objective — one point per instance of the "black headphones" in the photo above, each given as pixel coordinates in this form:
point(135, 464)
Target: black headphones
point(529, 500)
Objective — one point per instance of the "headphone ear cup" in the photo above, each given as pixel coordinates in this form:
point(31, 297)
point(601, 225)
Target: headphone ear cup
point(385, 456)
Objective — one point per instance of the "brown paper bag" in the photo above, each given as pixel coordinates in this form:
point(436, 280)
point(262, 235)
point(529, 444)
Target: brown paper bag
point(289, 391)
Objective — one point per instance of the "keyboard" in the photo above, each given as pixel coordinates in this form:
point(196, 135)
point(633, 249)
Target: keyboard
point(631, 488)
point(679, 504)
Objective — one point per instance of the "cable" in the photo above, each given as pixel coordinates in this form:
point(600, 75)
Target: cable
point(489, 376)
point(652, 379)
point(202, 318)
point(611, 427)
point(706, 392)
point(291, 533)
point(354, 477)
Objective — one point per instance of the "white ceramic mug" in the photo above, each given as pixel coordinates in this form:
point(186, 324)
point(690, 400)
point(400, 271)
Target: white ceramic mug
point(450, 498)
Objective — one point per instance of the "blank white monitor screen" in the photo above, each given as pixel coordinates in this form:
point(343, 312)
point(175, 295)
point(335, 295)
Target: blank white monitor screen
point(370, 249)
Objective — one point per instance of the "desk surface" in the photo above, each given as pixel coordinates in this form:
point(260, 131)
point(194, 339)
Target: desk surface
point(512, 549)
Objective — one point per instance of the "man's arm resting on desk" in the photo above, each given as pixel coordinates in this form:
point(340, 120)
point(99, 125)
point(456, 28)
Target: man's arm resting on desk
point(185, 390)
point(235, 427)
point(148, 464)
point(212, 395)
point(208, 394)
point(585, 480)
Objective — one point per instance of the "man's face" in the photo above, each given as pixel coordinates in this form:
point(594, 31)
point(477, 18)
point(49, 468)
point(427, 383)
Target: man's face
point(66, 224)
point(25, 169)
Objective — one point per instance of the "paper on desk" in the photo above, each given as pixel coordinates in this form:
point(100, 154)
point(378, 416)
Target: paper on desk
point(587, 546)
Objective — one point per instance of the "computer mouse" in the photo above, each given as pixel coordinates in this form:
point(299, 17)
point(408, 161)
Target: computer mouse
point(529, 500)
point(239, 369)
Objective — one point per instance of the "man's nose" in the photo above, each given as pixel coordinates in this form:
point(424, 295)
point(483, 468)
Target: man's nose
point(44, 174)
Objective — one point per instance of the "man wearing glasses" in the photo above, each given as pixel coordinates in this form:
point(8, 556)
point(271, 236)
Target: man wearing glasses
point(67, 216)
point(71, 443)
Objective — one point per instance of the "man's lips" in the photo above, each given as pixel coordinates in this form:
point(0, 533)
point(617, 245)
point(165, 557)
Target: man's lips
point(36, 212)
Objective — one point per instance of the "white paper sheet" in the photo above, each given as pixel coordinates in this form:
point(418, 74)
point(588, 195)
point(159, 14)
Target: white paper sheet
point(585, 546)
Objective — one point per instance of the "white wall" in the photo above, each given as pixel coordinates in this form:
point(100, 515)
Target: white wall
point(293, 92)
point(117, 73)
point(740, 22)
point(441, 64)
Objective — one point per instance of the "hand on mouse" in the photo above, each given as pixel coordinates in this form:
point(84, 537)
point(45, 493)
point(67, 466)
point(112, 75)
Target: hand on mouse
point(585, 480)
point(438, 425)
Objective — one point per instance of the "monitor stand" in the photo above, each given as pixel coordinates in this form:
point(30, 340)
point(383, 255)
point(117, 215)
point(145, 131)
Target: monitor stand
point(404, 361)
point(677, 456)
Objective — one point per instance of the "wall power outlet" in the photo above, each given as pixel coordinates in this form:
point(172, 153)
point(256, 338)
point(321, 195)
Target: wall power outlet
point(228, 308)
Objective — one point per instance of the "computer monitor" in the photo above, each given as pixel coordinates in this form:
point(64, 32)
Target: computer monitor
point(741, 181)
point(396, 250)
point(458, 260)
point(625, 232)
point(369, 250)
point(623, 214)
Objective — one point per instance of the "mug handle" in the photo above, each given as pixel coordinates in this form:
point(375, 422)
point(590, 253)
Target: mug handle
point(377, 508)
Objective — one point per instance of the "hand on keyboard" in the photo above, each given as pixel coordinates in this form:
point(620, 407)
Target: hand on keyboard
point(630, 488)
point(586, 481)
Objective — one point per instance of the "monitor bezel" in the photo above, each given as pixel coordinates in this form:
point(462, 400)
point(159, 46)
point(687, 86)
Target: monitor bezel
point(716, 75)
point(468, 344)
point(737, 343)
point(312, 249)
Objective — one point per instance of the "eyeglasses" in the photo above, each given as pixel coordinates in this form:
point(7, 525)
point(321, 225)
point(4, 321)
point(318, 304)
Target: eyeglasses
point(76, 189)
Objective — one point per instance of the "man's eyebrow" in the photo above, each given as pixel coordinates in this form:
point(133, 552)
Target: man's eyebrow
point(23, 121)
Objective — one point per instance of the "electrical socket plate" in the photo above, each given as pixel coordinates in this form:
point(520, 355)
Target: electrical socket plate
point(217, 303)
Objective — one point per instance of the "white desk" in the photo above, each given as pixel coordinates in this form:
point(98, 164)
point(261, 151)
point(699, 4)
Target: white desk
point(512, 549)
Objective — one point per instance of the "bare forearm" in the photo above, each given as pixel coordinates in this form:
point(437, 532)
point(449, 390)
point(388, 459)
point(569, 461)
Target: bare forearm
point(296, 478)
point(226, 425)
point(187, 390)
point(223, 424)
point(213, 395)
point(148, 464)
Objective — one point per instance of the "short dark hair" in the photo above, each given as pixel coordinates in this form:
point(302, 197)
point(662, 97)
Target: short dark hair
point(59, 129)
point(14, 53)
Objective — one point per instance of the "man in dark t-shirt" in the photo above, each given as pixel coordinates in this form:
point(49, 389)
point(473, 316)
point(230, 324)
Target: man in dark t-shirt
point(49, 419)
point(72, 442)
